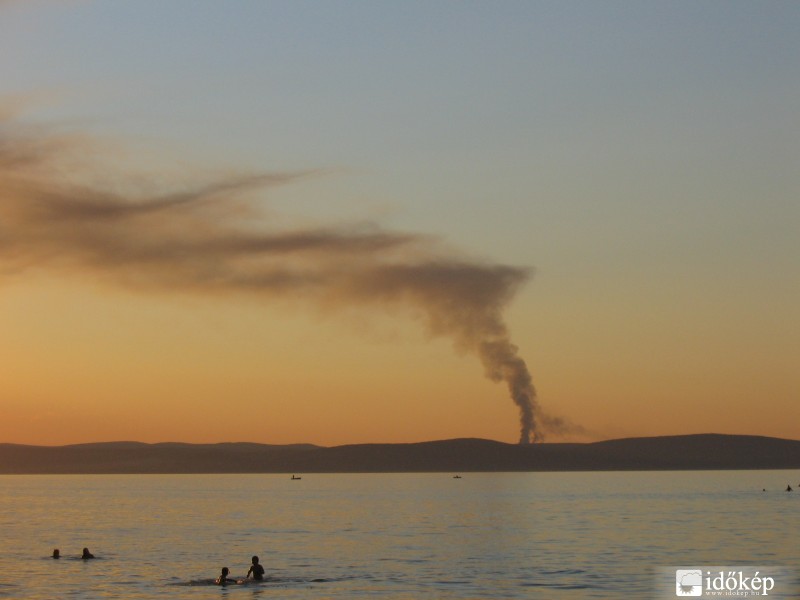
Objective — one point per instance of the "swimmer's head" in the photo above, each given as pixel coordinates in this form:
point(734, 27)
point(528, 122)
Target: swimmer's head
point(225, 571)
point(255, 560)
point(56, 553)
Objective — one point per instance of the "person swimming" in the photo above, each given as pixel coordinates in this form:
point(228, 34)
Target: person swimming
point(788, 488)
point(223, 578)
point(56, 553)
point(256, 569)
point(86, 554)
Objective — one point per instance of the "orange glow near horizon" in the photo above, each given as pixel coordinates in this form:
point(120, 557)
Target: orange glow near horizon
point(82, 364)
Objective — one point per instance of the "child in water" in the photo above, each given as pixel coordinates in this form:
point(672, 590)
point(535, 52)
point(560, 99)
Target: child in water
point(87, 554)
point(256, 569)
point(223, 578)
point(56, 553)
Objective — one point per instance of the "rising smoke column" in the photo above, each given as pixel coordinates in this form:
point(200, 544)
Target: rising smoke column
point(196, 241)
point(464, 301)
point(502, 363)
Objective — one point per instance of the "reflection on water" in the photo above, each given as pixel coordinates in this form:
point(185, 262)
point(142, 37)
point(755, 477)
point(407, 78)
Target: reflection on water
point(499, 535)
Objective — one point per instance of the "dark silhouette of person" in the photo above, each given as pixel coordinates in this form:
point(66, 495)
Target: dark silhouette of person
point(256, 569)
point(86, 554)
point(56, 553)
point(223, 578)
point(788, 488)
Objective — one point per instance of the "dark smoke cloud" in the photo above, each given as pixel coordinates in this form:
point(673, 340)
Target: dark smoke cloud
point(197, 240)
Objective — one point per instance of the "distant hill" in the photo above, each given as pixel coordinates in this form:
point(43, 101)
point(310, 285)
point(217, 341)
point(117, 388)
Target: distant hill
point(705, 451)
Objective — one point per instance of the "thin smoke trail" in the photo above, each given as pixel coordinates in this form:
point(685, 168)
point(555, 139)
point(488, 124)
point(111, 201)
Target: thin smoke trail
point(195, 241)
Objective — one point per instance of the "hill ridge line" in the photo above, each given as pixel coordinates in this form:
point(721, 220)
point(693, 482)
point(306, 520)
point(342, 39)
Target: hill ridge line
point(683, 452)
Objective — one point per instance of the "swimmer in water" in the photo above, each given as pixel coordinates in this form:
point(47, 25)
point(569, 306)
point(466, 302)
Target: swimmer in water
point(223, 578)
point(256, 569)
point(86, 554)
point(56, 553)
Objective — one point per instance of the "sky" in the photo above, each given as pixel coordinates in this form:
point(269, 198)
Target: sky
point(347, 222)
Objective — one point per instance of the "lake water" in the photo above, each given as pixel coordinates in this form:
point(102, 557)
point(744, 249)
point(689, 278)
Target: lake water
point(389, 536)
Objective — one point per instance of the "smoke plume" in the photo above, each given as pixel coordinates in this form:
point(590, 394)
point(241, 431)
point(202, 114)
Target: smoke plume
point(209, 239)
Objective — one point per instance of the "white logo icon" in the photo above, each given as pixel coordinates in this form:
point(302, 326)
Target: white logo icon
point(688, 582)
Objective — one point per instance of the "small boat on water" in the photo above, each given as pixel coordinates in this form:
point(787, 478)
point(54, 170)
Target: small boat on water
point(295, 477)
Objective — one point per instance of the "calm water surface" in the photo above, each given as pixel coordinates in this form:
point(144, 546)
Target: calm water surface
point(392, 536)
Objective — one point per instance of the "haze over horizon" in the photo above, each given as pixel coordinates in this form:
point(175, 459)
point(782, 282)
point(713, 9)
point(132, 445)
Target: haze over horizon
point(351, 222)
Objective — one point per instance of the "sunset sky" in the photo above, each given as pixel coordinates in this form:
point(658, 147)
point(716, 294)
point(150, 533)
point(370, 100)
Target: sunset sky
point(300, 221)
